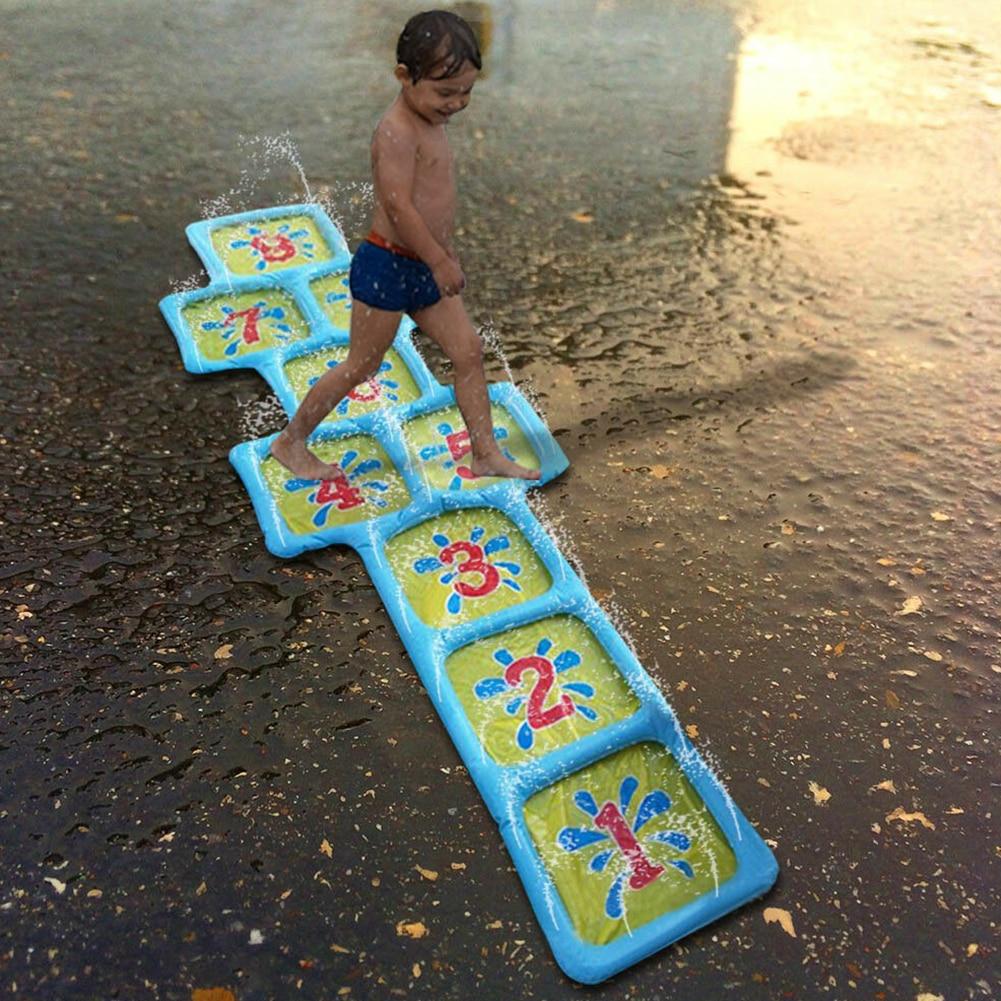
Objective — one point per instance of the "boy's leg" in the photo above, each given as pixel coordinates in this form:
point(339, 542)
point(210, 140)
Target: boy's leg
point(372, 332)
point(447, 323)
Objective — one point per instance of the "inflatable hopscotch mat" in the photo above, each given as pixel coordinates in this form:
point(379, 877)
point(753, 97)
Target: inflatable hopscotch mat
point(623, 838)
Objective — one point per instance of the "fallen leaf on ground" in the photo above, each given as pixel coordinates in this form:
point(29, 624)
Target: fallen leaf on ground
point(933, 655)
point(224, 652)
point(692, 730)
point(661, 472)
point(925, 996)
point(939, 516)
point(416, 971)
point(906, 674)
point(212, 994)
point(909, 818)
point(414, 929)
point(972, 949)
point(886, 785)
point(339, 948)
point(326, 848)
point(887, 561)
point(57, 884)
point(839, 649)
point(582, 216)
point(784, 918)
point(892, 699)
point(427, 873)
point(910, 606)
point(820, 794)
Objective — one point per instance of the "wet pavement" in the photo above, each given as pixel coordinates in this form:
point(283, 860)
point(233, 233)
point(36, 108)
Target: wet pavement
point(745, 259)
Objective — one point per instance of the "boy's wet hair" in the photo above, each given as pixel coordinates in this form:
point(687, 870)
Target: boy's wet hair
point(437, 39)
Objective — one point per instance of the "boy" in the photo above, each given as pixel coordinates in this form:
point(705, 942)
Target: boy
point(407, 263)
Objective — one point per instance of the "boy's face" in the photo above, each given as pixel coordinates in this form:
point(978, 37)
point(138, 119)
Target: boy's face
point(437, 100)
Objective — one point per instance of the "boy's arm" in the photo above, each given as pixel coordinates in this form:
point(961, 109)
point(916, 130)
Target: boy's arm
point(394, 158)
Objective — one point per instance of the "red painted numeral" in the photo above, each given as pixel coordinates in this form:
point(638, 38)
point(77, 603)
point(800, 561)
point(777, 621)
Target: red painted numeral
point(458, 443)
point(473, 563)
point(458, 446)
point(543, 668)
point(274, 248)
point(366, 392)
point(339, 490)
point(250, 334)
point(644, 871)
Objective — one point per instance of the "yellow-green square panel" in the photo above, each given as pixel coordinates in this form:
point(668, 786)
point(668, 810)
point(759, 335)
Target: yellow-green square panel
point(531, 689)
point(627, 840)
point(333, 294)
point(462, 565)
point(440, 442)
point(235, 325)
point(263, 246)
point(368, 486)
point(390, 386)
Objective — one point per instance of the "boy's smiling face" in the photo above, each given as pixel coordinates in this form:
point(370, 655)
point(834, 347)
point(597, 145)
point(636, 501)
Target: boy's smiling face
point(437, 100)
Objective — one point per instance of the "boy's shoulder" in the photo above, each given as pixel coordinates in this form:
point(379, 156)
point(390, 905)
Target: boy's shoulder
point(395, 126)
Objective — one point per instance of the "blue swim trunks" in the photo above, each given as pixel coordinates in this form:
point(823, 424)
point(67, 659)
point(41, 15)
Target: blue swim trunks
point(388, 279)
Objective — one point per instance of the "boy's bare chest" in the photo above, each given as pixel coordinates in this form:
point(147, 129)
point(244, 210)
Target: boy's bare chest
point(434, 161)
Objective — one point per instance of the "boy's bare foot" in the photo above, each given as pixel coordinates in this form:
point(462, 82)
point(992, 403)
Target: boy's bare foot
point(298, 459)
point(498, 465)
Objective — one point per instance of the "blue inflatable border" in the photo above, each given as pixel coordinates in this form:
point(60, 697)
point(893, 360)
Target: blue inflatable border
point(505, 789)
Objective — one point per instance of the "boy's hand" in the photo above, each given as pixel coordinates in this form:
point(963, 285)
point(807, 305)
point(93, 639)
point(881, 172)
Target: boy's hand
point(448, 276)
